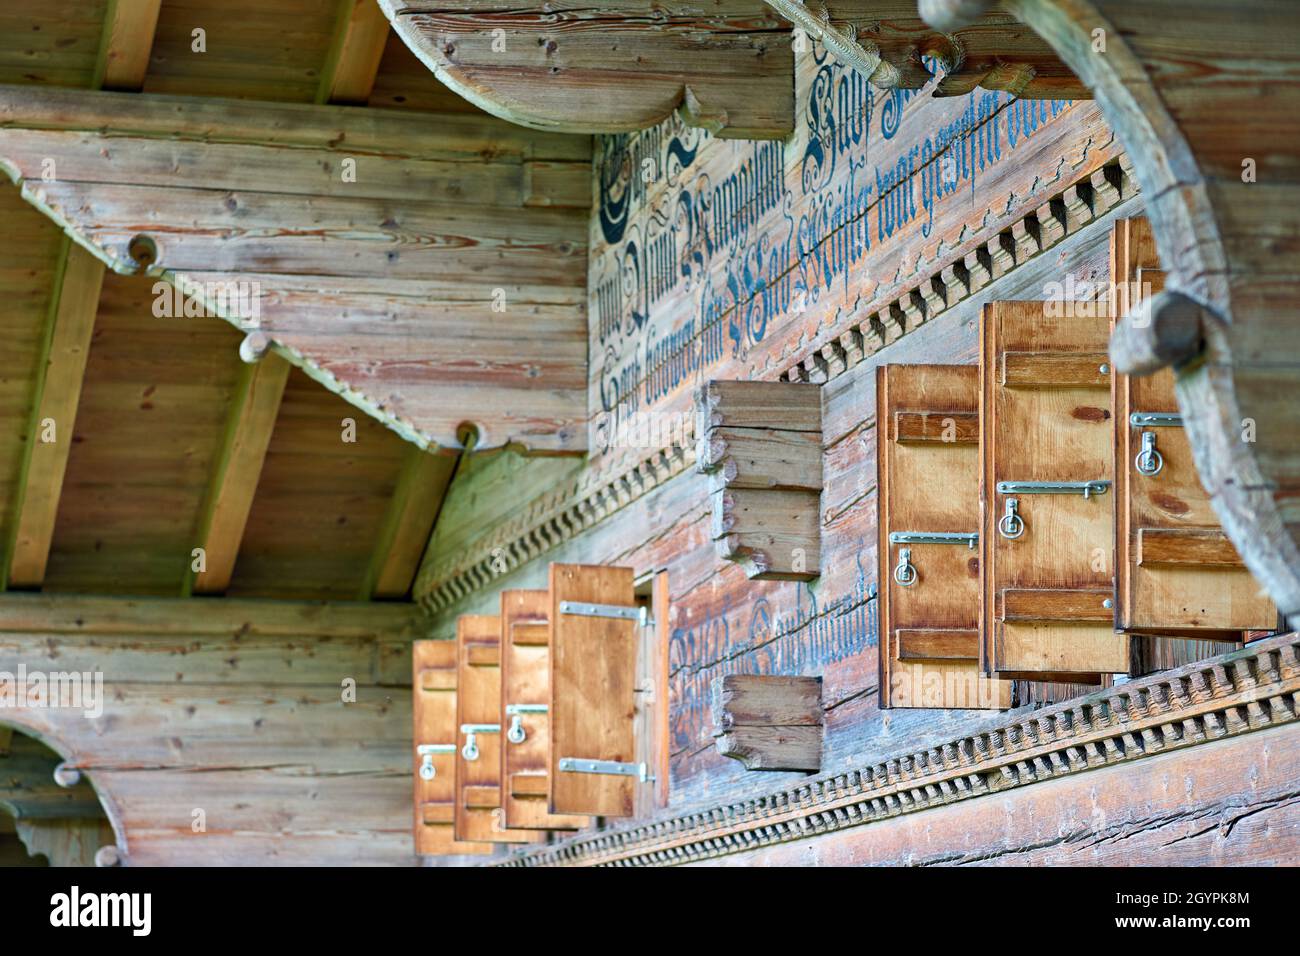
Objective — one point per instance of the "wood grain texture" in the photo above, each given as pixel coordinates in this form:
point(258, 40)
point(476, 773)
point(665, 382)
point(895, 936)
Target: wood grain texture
point(618, 67)
point(1176, 568)
point(473, 280)
point(412, 511)
point(434, 713)
point(769, 722)
point(1043, 430)
point(50, 431)
point(478, 815)
point(253, 412)
point(930, 486)
point(526, 679)
point(129, 27)
point(593, 680)
point(360, 38)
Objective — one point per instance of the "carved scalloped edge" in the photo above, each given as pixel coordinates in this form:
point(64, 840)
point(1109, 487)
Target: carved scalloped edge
point(1253, 688)
point(560, 514)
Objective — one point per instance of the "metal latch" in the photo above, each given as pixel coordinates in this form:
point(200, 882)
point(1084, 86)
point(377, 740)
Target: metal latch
point(426, 752)
point(515, 712)
point(640, 614)
point(934, 537)
point(1011, 525)
point(470, 750)
point(1085, 488)
point(1149, 461)
point(1155, 420)
point(612, 767)
point(905, 572)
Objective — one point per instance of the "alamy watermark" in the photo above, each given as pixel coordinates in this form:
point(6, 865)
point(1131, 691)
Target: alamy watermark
point(75, 690)
point(228, 299)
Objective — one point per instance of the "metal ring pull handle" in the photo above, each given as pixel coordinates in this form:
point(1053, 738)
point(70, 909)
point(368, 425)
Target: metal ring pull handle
point(516, 734)
point(1011, 525)
point(1149, 462)
point(471, 732)
point(905, 572)
point(426, 752)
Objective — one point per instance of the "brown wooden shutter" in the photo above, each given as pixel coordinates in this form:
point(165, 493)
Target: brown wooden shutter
point(525, 702)
point(1178, 572)
point(434, 704)
point(593, 681)
point(927, 466)
point(1048, 593)
point(478, 814)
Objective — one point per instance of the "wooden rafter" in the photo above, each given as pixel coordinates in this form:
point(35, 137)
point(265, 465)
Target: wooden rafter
point(430, 262)
point(253, 413)
point(615, 66)
point(359, 40)
point(411, 514)
point(54, 411)
point(129, 27)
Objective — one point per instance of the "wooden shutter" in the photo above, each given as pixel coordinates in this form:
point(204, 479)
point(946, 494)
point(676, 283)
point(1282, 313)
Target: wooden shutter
point(525, 682)
point(434, 703)
point(927, 468)
point(1178, 572)
point(593, 681)
point(478, 702)
point(1047, 594)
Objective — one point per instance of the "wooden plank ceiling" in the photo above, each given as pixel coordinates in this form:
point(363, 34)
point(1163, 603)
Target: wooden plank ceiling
point(163, 440)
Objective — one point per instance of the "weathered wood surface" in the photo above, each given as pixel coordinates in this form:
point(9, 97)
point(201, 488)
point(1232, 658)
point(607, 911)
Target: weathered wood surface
point(1247, 693)
point(1047, 560)
point(235, 708)
point(930, 486)
point(1225, 223)
point(887, 42)
point(717, 622)
point(1175, 567)
point(617, 67)
point(769, 722)
point(423, 269)
point(593, 664)
point(526, 679)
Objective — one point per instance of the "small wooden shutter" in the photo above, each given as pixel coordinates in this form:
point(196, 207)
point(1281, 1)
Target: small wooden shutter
point(478, 814)
point(593, 681)
point(927, 467)
point(434, 704)
point(1179, 575)
point(526, 681)
point(1048, 594)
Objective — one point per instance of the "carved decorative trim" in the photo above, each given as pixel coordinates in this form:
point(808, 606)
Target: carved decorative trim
point(560, 515)
point(1250, 689)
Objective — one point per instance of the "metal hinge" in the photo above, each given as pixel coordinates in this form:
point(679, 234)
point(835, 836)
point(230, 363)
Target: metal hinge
point(1085, 488)
point(619, 611)
point(611, 767)
point(934, 537)
point(1155, 420)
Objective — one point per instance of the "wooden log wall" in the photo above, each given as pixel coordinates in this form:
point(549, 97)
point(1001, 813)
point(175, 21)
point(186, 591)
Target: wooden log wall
point(237, 709)
point(720, 622)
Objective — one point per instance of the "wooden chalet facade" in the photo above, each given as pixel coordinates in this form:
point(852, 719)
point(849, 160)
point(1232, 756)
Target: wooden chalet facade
point(737, 432)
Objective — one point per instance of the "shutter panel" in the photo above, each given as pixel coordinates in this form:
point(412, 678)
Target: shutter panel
point(478, 703)
point(593, 680)
point(927, 468)
point(525, 683)
point(434, 705)
point(1045, 418)
point(1178, 572)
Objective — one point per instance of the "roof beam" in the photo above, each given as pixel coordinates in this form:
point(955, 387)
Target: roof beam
point(360, 36)
point(129, 27)
point(412, 511)
point(253, 412)
point(79, 277)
